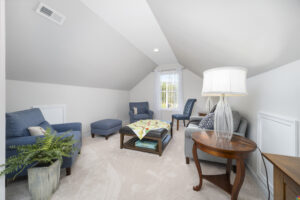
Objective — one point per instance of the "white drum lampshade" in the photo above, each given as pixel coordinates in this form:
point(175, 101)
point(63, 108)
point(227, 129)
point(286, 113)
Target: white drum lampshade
point(228, 81)
point(224, 81)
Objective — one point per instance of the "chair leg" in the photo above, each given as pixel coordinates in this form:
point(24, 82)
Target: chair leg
point(187, 160)
point(93, 135)
point(172, 121)
point(68, 171)
point(177, 124)
point(184, 123)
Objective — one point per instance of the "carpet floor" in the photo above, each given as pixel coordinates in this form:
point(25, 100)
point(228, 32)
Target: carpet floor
point(104, 171)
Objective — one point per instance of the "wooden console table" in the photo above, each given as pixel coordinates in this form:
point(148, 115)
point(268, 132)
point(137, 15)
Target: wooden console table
point(286, 176)
point(238, 148)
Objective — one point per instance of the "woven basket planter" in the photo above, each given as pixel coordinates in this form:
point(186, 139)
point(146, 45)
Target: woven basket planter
point(43, 181)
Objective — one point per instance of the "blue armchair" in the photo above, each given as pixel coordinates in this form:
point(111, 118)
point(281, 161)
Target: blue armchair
point(188, 108)
point(18, 134)
point(142, 109)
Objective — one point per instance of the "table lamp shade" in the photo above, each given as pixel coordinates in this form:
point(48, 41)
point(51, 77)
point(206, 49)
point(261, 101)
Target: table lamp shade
point(228, 81)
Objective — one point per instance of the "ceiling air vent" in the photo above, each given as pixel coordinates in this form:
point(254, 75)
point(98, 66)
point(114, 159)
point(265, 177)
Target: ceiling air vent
point(50, 13)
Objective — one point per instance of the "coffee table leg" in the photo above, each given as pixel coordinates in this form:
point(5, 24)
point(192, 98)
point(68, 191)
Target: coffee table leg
point(239, 179)
point(121, 140)
point(159, 147)
point(197, 163)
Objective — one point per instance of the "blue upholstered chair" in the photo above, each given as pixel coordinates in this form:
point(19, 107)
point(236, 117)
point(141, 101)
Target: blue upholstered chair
point(143, 111)
point(188, 108)
point(18, 134)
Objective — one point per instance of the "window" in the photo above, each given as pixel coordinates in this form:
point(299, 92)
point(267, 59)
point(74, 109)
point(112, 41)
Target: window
point(169, 90)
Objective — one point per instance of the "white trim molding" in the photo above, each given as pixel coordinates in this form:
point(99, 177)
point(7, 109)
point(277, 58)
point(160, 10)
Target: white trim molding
point(54, 114)
point(278, 135)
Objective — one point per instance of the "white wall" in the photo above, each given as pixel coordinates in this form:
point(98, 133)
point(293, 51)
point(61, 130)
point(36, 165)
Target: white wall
point(2, 94)
point(276, 92)
point(83, 104)
point(192, 87)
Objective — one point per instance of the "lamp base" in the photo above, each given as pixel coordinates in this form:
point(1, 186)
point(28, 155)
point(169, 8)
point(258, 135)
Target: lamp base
point(223, 123)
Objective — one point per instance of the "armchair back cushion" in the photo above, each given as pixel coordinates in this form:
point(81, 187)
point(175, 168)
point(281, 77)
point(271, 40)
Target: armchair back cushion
point(188, 108)
point(18, 122)
point(142, 107)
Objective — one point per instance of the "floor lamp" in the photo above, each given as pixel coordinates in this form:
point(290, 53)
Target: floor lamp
point(223, 82)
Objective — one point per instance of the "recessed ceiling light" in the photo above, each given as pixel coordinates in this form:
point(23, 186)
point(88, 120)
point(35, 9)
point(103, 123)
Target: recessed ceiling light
point(156, 50)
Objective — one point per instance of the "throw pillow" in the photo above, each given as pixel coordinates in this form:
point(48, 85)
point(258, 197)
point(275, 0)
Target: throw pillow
point(135, 110)
point(36, 131)
point(45, 125)
point(213, 109)
point(207, 122)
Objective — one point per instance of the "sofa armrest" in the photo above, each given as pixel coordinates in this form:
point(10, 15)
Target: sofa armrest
point(242, 127)
point(190, 130)
point(67, 127)
point(150, 112)
point(196, 118)
point(17, 141)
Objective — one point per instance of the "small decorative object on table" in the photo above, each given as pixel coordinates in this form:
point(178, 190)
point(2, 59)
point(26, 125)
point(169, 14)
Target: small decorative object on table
point(224, 81)
point(201, 114)
point(44, 158)
point(150, 136)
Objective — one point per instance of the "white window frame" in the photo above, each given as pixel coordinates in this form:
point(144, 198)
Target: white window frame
point(160, 91)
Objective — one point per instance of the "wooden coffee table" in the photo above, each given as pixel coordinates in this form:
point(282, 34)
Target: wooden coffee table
point(238, 148)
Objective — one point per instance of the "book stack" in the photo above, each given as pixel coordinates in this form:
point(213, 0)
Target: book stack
point(149, 144)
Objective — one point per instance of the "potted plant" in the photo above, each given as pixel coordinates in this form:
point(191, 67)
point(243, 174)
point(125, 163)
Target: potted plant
point(44, 159)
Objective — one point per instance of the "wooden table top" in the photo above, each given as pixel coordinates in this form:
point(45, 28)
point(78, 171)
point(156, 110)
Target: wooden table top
point(208, 142)
point(287, 164)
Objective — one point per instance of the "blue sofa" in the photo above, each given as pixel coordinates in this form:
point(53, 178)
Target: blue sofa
point(143, 111)
point(18, 134)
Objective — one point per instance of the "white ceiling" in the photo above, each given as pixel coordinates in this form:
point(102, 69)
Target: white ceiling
point(111, 44)
point(257, 34)
point(85, 51)
point(136, 22)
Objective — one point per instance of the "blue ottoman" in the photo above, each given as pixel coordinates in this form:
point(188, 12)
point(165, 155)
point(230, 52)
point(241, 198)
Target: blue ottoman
point(105, 127)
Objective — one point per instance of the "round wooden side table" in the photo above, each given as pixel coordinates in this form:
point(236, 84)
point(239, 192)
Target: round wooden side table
point(238, 148)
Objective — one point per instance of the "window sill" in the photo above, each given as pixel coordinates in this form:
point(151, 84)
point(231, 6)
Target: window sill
point(169, 109)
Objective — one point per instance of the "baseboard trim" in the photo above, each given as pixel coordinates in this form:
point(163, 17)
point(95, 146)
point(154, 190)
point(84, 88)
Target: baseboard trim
point(259, 182)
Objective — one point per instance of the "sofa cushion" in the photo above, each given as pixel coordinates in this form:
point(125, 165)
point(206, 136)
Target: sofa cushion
point(141, 116)
point(106, 123)
point(213, 109)
point(180, 116)
point(207, 122)
point(18, 122)
point(236, 120)
point(45, 125)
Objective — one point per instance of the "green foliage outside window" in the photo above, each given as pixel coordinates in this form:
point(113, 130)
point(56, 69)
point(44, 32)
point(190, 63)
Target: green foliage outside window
point(169, 92)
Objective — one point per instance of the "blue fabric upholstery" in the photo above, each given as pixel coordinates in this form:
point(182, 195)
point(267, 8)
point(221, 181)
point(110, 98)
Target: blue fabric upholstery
point(106, 124)
point(188, 108)
point(17, 133)
point(18, 122)
point(143, 111)
point(141, 116)
point(45, 125)
point(180, 116)
point(106, 127)
point(75, 126)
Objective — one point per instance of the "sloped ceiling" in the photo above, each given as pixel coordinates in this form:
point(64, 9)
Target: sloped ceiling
point(257, 34)
point(97, 46)
point(85, 51)
point(135, 21)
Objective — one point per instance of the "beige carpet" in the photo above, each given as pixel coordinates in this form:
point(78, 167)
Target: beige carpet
point(104, 171)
